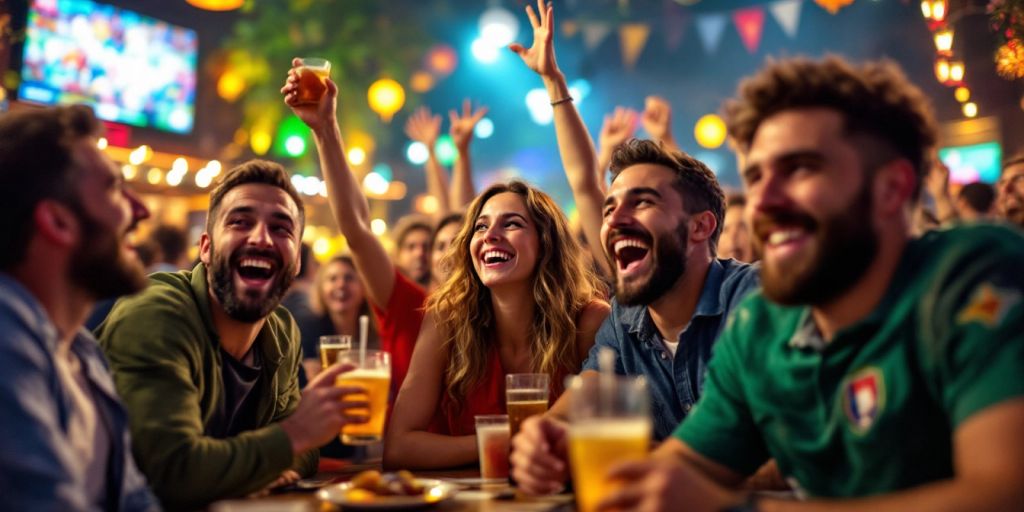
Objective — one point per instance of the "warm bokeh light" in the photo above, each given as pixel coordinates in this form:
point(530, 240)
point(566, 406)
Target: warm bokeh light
point(154, 176)
point(129, 172)
point(942, 70)
point(962, 94)
point(956, 71)
point(421, 81)
point(356, 156)
point(970, 109)
point(101, 143)
point(944, 41)
point(710, 131)
point(230, 85)
point(378, 227)
point(386, 97)
point(217, 5)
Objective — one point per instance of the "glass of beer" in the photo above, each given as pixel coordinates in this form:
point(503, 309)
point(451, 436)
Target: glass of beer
point(609, 423)
point(526, 394)
point(330, 346)
point(492, 443)
point(313, 74)
point(373, 373)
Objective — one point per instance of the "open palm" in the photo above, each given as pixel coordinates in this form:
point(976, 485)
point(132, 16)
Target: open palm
point(541, 56)
point(462, 125)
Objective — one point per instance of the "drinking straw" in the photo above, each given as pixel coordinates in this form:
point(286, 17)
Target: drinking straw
point(364, 326)
point(606, 382)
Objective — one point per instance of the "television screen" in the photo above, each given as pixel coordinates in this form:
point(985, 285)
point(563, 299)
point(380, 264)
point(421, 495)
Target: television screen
point(977, 162)
point(131, 68)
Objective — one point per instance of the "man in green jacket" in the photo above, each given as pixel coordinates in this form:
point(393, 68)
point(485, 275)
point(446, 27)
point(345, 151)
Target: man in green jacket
point(207, 362)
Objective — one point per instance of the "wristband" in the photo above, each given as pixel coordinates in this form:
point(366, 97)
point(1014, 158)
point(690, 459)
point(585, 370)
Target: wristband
point(566, 99)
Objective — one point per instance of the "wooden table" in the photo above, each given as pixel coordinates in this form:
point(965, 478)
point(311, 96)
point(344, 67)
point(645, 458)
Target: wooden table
point(472, 498)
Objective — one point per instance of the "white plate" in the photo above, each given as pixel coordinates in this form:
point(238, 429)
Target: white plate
point(434, 493)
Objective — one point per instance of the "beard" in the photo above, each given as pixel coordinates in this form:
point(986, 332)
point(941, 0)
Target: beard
point(846, 245)
point(99, 265)
point(247, 306)
point(668, 263)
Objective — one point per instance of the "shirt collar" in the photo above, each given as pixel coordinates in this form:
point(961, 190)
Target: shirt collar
point(28, 309)
point(807, 334)
point(273, 352)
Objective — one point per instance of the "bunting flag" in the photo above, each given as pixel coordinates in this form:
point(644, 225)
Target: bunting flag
point(787, 15)
point(710, 27)
point(833, 6)
point(675, 19)
point(570, 28)
point(750, 24)
point(594, 33)
point(633, 38)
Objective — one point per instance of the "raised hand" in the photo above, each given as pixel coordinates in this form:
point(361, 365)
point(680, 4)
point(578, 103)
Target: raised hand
point(617, 128)
point(657, 118)
point(462, 126)
point(424, 127)
point(317, 116)
point(541, 56)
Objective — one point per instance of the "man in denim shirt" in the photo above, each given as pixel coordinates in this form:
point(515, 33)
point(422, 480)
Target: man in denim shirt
point(64, 441)
point(662, 219)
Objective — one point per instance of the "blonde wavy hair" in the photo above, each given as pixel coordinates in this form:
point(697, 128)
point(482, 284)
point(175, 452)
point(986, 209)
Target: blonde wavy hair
point(316, 294)
point(563, 284)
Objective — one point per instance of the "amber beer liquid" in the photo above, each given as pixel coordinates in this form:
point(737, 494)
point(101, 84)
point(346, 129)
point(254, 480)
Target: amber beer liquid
point(598, 444)
point(329, 354)
point(313, 76)
point(377, 382)
point(523, 403)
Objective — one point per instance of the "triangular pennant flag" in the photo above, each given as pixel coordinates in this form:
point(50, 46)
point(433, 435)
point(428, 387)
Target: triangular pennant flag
point(594, 33)
point(570, 28)
point(833, 6)
point(675, 19)
point(710, 28)
point(633, 38)
point(787, 15)
point(750, 24)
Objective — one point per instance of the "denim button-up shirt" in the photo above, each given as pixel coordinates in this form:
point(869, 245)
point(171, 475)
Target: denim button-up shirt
point(676, 382)
point(38, 468)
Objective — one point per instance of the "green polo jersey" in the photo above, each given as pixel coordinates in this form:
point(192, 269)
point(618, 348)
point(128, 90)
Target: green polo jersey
point(873, 410)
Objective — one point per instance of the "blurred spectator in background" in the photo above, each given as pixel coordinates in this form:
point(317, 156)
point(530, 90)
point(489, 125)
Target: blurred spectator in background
point(1010, 190)
point(412, 248)
point(173, 249)
point(974, 202)
point(735, 240)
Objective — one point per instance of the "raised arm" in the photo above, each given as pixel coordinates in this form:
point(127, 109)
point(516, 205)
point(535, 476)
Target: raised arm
point(618, 127)
point(424, 127)
point(574, 143)
point(348, 204)
point(409, 445)
point(657, 121)
point(462, 126)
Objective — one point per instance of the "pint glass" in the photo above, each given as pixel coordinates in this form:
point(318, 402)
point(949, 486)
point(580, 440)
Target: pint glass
point(609, 423)
point(373, 374)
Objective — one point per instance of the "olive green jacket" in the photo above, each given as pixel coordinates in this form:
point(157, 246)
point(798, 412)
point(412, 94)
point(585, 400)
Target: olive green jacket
point(165, 356)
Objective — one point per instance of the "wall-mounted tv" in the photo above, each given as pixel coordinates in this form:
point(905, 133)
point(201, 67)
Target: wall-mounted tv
point(977, 162)
point(131, 68)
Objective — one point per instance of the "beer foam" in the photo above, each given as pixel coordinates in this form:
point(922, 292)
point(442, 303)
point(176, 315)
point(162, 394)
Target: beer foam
point(366, 373)
point(492, 430)
point(612, 428)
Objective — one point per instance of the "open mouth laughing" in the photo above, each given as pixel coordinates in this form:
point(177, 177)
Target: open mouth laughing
point(631, 252)
point(496, 258)
point(256, 270)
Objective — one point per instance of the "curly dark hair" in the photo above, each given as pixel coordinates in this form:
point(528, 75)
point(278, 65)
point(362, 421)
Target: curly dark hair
point(695, 182)
point(876, 100)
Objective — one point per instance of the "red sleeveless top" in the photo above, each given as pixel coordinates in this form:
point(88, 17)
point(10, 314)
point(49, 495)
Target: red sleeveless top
point(487, 397)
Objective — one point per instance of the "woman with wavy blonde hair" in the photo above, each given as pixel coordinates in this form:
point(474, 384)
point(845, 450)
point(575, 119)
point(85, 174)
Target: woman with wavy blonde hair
point(521, 298)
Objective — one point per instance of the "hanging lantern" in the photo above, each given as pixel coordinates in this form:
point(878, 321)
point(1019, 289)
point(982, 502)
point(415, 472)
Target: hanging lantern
point(386, 97)
point(710, 131)
point(217, 5)
point(934, 10)
point(942, 70)
point(944, 41)
point(956, 71)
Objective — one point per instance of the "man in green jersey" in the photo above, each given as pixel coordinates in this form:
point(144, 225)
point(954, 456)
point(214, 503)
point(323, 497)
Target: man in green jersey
point(881, 372)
